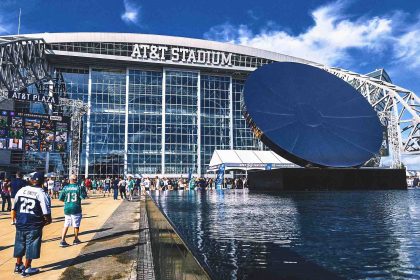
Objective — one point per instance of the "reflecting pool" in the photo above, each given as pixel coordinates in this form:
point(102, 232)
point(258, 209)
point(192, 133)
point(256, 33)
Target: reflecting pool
point(300, 235)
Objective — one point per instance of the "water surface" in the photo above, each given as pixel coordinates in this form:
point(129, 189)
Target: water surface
point(300, 235)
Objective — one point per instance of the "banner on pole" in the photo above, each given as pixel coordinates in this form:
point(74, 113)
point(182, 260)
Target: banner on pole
point(220, 176)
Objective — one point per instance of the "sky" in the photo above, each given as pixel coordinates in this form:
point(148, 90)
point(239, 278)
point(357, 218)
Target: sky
point(358, 35)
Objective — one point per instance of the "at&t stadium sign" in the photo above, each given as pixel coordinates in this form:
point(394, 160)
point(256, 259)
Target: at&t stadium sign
point(181, 54)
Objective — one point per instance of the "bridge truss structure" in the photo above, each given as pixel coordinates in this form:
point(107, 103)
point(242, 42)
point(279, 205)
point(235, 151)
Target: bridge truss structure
point(23, 64)
point(397, 108)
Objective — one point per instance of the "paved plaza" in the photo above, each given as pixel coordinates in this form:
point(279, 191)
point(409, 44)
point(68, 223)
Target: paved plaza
point(100, 234)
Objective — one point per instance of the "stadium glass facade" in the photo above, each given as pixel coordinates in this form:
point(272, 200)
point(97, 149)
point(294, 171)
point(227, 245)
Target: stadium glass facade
point(158, 108)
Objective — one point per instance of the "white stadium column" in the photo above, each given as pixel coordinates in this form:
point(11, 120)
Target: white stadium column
point(163, 120)
point(199, 123)
point(88, 123)
point(231, 112)
point(126, 123)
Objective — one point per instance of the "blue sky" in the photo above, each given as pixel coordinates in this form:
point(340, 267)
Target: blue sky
point(359, 35)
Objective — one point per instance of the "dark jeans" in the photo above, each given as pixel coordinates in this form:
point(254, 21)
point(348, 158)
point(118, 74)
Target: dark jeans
point(6, 198)
point(122, 192)
point(28, 242)
point(115, 194)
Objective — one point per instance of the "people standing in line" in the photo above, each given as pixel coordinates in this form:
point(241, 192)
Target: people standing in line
point(72, 195)
point(5, 195)
point(17, 184)
point(32, 211)
point(115, 188)
point(122, 186)
point(130, 188)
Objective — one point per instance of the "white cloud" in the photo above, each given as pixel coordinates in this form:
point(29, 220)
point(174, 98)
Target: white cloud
point(7, 25)
point(131, 12)
point(407, 47)
point(331, 37)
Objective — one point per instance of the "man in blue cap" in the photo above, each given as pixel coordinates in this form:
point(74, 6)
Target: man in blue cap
point(32, 211)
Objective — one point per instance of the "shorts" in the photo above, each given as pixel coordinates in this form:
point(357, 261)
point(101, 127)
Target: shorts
point(28, 242)
point(107, 188)
point(72, 220)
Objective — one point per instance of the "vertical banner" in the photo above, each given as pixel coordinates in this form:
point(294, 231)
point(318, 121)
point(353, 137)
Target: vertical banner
point(268, 166)
point(220, 176)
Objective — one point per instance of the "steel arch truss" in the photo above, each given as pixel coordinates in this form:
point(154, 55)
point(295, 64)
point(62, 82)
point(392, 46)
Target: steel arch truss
point(22, 63)
point(397, 107)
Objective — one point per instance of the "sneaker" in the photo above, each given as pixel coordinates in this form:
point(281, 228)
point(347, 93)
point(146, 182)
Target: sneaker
point(19, 268)
point(76, 241)
point(29, 271)
point(63, 243)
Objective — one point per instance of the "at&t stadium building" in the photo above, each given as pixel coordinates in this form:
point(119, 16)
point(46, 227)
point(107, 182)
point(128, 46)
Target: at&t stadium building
point(158, 105)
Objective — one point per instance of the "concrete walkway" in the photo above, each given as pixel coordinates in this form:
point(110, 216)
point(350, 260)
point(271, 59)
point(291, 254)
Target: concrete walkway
point(54, 260)
point(113, 252)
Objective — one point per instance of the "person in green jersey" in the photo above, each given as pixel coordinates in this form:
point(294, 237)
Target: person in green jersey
point(94, 185)
point(130, 187)
point(72, 195)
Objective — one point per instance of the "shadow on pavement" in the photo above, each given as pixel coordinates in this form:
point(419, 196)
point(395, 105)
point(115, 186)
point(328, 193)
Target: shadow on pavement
point(88, 257)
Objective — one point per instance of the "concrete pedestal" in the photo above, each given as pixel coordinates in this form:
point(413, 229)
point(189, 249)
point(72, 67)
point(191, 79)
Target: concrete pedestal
point(300, 179)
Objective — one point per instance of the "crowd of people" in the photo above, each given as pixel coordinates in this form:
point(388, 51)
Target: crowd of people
point(130, 187)
point(29, 203)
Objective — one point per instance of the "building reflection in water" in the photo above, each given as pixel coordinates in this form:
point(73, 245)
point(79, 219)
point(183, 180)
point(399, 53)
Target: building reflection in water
point(356, 235)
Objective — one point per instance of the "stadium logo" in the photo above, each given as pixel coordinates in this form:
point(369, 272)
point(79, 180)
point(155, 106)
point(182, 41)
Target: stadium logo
point(176, 54)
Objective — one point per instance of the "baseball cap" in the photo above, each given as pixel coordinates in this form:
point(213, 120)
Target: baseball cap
point(38, 176)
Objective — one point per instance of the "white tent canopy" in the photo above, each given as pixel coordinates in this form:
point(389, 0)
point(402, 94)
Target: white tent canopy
point(247, 160)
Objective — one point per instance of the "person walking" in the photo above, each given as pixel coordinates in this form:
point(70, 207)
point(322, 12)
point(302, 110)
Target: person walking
point(130, 188)
point(72, 195)
point(115, 188)
point(137, 187)
point(5, 195)
point(88, 184)
point(107, 186)
point(32, 211)
point(94, 185)
point(122, 186)
point(50, 186)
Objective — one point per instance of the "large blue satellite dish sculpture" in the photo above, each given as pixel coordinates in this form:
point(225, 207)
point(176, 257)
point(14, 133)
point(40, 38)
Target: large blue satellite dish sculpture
point(311, 117)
